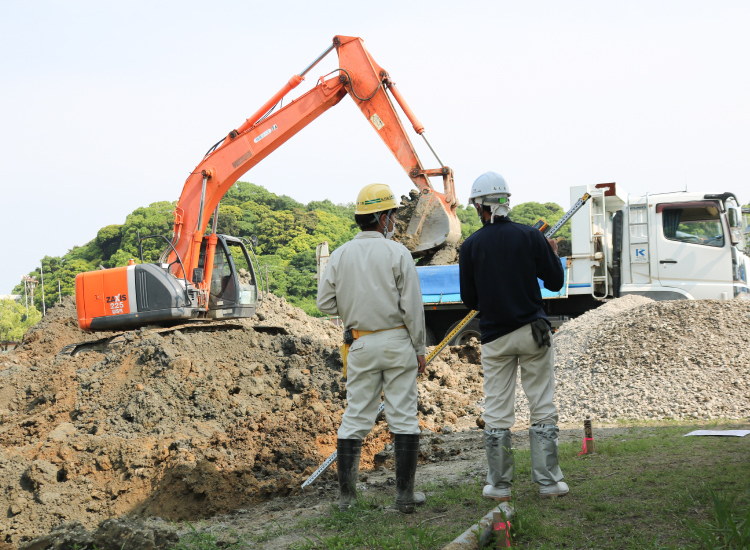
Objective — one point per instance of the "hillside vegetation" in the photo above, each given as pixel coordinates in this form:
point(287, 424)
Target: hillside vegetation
point(287, 231)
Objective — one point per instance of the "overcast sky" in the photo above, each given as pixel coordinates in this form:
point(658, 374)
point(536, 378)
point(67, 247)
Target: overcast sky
point(105, 107)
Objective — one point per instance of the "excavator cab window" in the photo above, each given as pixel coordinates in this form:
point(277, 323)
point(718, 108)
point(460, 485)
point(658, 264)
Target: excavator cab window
point(245, 271)
point(223, 287)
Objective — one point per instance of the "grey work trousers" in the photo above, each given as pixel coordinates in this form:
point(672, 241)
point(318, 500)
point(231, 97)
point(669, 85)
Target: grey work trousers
point(381, 362)
point(500, 361)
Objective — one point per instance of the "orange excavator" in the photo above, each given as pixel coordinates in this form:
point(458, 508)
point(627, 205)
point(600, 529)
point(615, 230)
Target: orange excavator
point(196, 276)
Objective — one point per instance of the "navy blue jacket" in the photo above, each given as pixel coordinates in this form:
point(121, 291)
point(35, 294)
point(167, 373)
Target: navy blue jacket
point(499, 266)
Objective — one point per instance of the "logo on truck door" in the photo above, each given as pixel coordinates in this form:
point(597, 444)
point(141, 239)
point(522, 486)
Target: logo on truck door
point(117, 303)
point(639, 254)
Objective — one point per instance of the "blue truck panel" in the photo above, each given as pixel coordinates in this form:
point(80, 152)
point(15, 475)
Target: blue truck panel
point(440, 284)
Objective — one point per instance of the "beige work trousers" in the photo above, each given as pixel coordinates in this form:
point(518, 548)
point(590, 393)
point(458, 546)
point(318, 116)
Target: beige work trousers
point(500, 361)
point(381, 362)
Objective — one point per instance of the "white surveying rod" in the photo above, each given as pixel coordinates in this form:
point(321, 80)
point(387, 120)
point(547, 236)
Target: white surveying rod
point(434, 353)
point(569, 214)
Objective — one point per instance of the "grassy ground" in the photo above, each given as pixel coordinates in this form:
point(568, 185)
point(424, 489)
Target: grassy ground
point(649, 489)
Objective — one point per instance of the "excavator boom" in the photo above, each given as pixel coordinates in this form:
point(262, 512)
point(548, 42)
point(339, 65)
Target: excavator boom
point(366, 82)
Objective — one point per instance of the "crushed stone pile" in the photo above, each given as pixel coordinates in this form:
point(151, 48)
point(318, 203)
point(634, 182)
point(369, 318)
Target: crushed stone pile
point(181, 424)
point(633, 358)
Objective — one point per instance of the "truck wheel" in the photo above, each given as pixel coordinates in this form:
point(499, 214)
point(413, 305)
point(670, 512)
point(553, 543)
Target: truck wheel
point(429, 337)
point(467, 333)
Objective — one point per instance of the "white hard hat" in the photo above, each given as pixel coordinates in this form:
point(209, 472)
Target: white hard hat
point(489, 183)
point(492, 190)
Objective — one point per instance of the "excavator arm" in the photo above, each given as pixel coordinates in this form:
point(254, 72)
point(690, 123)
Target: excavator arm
point(434, 223)
point(162, 293)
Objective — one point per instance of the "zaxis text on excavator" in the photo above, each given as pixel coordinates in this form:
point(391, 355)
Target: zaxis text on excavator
point(196, 276)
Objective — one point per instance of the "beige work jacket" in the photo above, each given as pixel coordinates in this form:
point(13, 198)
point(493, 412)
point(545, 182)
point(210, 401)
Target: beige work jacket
point(371, 282)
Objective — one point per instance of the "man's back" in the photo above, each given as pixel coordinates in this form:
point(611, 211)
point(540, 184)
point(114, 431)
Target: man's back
point(372, 283)
point(500, 264)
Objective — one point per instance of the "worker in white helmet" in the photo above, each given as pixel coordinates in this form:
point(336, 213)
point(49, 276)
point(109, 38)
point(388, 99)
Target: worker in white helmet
point(499, 267)
point(371, 282)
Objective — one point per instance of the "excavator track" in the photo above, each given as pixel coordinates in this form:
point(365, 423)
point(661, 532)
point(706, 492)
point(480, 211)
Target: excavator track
point(102, 344)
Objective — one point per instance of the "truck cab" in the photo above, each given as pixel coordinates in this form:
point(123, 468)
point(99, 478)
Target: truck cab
point(666, 246)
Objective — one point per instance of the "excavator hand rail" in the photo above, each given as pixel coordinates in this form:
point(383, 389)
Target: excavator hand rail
point(140, 255)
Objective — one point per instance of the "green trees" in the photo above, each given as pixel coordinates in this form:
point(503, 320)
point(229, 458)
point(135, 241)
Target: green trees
point(287, 230)
point(528, 213)
point(14, 322)
point(469, 219)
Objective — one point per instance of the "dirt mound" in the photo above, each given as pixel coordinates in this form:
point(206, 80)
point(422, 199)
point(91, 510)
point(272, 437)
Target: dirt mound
point(180, 424)
point(276, 311)
point(55, 331)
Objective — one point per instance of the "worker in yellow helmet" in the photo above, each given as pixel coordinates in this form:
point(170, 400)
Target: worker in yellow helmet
point(371, 282)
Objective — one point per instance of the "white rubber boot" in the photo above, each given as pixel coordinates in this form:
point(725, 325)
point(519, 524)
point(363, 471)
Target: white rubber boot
point(559, 489)
point(500, 464)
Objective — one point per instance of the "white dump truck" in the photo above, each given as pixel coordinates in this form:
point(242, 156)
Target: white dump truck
point(666, 246)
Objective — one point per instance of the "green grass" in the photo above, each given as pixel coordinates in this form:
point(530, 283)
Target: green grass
point(204, 540)
point(728, 529)
point(648, 489)
point(643, 490)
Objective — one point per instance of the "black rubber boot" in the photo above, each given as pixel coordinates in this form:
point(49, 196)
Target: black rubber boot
point(347, 463)
point(406, 451)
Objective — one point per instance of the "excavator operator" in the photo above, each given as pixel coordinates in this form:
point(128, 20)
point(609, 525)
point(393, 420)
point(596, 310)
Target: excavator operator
point(499, 265)
point(371, 282)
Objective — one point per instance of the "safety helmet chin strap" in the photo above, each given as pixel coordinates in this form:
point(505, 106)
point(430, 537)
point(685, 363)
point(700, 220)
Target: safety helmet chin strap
point(387, 217)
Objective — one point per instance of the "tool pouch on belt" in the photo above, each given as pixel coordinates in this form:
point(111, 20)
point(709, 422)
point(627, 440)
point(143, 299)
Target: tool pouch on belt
point(541, 333)
point(348, 341)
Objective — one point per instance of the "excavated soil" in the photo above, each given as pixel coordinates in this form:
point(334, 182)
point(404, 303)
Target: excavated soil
point(187, 425)
point(180, 424)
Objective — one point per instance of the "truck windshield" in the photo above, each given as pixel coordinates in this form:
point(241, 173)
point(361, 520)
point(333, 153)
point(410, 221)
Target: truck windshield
point(700, 225)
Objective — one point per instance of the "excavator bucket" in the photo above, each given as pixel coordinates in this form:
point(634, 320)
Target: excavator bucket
point(424, 225)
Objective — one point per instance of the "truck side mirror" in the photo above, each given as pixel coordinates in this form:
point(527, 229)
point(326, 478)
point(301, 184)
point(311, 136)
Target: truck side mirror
point(734, 218)
point(197, 275)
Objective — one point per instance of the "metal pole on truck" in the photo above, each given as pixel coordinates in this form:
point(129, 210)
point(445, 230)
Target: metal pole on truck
point(542, 226)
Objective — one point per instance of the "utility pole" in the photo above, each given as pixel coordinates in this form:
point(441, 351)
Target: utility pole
point(30, 283)
point(25, 295)
point(59, 294)
point(44, 306)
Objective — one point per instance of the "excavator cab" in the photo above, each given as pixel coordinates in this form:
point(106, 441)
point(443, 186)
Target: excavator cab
point(230, 295)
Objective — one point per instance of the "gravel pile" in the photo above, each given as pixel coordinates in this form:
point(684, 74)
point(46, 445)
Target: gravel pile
point(637, 359)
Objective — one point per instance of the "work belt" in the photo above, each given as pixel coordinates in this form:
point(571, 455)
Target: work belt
point(352, 334)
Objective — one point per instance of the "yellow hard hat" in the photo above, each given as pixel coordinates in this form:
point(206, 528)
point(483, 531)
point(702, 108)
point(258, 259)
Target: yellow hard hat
point(375, 197)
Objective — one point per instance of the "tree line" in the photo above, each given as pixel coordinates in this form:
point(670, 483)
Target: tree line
point(287, 231)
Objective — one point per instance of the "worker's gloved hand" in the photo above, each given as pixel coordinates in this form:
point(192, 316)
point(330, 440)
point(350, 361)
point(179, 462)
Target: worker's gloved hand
point(540, 331)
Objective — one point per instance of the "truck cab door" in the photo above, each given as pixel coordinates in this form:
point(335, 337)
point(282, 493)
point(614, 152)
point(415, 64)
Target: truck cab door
point(693, 249)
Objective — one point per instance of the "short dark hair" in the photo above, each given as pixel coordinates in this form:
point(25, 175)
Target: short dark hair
point(365, 221)
point(368, 221)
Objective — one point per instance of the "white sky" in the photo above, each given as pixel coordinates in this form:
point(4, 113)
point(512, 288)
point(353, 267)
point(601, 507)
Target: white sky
point(105, 107)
